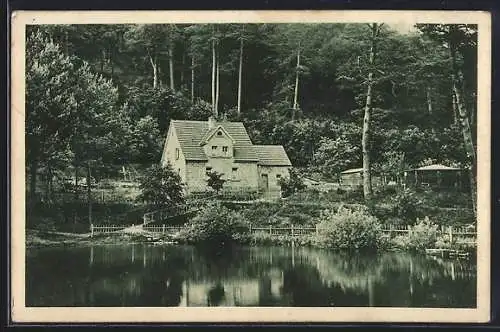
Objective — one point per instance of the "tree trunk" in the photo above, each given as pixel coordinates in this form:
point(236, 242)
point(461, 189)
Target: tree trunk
point(75, 198)
point(213, 77)
point(296, 92)
point(49, 183)
point(217, 86)
point(103, 58)
point(240, 73)
point(463, 119)
point(183, 66)
point(171, 66)
point(154, 65)
point(367, 179)
point(89, 193)
point(429, 100)
point(33, 181)
point(454, 106)
point(192, 78)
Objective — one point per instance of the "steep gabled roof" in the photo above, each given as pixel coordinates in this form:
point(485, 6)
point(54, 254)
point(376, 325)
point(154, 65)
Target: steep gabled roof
point(191, 133)
point(212, 132)
point(272, 155)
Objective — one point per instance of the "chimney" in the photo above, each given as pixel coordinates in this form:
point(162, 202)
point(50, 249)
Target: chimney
point(211, 122)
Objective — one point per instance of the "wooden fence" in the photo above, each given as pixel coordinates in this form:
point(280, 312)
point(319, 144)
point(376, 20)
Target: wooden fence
point(106, 229)
point(163, 214)
point(391, 231)
point(163, 229)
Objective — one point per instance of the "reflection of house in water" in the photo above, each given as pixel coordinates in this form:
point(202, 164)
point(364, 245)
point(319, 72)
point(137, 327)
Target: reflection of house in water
point(236, 291)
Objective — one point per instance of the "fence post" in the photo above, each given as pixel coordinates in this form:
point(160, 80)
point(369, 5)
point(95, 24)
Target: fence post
point(292, 230)
point(163, 229)
point(144, 219)
point(450, 232)
point(250, 229)
point(317, 230)
point(91, 230)
point(270, 230)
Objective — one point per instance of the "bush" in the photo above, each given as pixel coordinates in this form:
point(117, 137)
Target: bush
point(423, 235)
point(216, 225)
point(348, 229)
point(292, 184)
point(407, 206)
point(161, 187)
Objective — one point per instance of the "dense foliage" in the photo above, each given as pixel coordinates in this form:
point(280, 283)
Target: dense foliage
point(215, 225)
point(161, 187)
point(215, 180)
point(349, 229)
point(421, 236)
point(100, 97)
point(291, 184)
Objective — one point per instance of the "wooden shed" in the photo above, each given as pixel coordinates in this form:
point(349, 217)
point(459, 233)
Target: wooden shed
point(352, 177)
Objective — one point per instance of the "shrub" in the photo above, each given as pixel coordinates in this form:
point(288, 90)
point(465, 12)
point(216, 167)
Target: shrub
point(349, 230)
point(215, 224)
point(215, 180)
point(292, 184)
point(407, 206)
point(161, 187)
point(423, 235)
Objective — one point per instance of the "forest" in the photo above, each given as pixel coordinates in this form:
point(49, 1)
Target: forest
point(336, 96)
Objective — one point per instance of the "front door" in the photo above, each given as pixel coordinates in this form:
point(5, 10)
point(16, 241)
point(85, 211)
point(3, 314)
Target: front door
point(264, 182)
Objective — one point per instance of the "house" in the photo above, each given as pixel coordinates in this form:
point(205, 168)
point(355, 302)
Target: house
point(195, 147)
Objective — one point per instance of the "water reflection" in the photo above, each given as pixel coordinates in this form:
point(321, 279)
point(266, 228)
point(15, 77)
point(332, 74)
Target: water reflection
point(142, 275)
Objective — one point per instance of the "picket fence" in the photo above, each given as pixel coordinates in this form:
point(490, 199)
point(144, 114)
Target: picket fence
point(391, 231)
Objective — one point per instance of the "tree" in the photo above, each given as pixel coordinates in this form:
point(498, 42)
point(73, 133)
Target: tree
point(367, 179)
point(291, 184)
point(149, 41)
point(336, 155)
point(50, 105)
point(215, 180)
point(461, 40)
point(161, 187)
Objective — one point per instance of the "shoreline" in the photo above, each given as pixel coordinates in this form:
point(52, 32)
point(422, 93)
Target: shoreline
point(36, 239)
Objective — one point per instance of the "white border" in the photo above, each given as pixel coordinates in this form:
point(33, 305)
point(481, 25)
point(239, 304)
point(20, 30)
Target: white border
point(20, 313)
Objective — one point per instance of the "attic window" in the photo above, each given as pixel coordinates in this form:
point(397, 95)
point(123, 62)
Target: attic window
point(219, 133)
point(176, 153)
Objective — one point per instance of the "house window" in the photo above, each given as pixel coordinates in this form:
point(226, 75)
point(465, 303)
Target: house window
point(234, 174)
point(208, 168)
point(224, 149)
point(214, 147)
point(176, 153)
point(278, 176)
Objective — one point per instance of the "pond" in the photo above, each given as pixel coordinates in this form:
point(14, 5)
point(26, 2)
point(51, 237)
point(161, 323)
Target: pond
point(147, 275)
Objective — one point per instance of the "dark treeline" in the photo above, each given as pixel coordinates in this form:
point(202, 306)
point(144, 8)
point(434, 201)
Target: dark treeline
point(102, 95)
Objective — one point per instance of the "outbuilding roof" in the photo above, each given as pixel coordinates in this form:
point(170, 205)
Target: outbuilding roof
point(437, 167)
point(352, 170)
point(272, 155)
